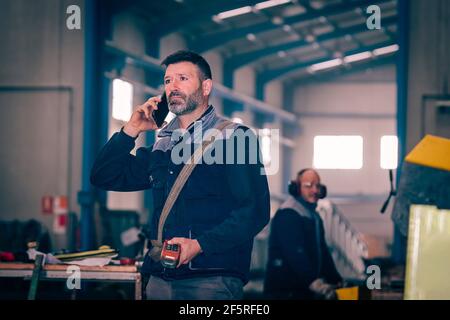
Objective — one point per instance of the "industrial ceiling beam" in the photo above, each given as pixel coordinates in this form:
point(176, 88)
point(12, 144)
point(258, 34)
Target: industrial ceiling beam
point(241, 60)
point(194, 14)
point(270, 75)
point(344, 71)
point(209, 42)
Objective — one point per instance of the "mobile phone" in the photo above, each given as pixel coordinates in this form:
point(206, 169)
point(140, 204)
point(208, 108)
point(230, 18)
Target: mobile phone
point(170, 255)
point(163, 109)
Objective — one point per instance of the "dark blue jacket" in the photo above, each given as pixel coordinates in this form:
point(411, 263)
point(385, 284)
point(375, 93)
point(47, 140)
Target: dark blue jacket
point(298, 253)
point(223, 206)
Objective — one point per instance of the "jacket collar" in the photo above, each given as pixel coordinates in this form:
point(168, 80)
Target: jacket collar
point(301, 207)
point(208, 119)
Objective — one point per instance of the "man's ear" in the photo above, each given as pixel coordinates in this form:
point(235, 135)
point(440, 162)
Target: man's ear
point(207, 87)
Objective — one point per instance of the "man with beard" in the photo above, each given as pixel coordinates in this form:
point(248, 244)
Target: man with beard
point(220, 208)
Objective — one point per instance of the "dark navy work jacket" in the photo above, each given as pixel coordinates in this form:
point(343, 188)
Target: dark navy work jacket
point(223, 206)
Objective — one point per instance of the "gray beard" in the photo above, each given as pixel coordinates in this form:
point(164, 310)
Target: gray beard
point(191, 104)
point(183, 108)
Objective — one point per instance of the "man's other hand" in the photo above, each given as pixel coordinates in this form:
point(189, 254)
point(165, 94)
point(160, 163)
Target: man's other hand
point(189, 248)
point(323, 290)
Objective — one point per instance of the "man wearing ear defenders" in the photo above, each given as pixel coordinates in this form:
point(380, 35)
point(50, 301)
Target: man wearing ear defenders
point(299, 264)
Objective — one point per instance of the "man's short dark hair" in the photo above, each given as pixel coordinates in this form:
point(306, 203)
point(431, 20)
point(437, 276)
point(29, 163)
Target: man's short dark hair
point(190, 56)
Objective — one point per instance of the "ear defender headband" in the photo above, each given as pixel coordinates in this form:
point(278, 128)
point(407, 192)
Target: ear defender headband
point(294, 188)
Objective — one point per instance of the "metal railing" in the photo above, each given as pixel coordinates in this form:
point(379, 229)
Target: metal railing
point(346, 244)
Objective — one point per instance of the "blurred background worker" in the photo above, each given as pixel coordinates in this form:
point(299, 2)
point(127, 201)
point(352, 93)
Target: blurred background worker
point(300, 265)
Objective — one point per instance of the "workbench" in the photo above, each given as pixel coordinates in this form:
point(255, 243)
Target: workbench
point(91, 273)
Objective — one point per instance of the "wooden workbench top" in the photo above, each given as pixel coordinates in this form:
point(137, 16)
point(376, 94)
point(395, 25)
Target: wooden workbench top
point(63, 267)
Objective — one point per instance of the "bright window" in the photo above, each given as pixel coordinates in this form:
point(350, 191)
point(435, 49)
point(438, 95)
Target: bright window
point(389, 152)
point(338, 152)
point(122, 100)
